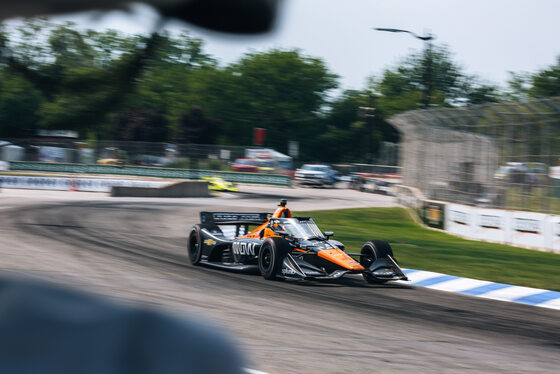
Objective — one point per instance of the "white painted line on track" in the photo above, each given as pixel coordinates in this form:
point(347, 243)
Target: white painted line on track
point(252, 371)
point(418, 276)
point(553, 304)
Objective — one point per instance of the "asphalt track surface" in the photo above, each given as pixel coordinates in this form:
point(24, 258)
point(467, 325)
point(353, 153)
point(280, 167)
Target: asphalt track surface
point(133, 250)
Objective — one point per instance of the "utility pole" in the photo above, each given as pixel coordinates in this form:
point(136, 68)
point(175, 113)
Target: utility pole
point(367, 114)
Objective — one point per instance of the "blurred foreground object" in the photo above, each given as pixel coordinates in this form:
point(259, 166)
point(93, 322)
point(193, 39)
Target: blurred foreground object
point(235, 16)
point(48, 329)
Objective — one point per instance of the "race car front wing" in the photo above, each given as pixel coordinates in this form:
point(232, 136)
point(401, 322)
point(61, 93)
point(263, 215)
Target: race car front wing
point(383, 269)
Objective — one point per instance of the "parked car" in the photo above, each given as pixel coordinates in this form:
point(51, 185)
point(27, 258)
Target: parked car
point(365, 184)
point(522, 173)
point(502, 173)
point(113, 156)
point(245, 164)
point(314, 174)
point(266, 165)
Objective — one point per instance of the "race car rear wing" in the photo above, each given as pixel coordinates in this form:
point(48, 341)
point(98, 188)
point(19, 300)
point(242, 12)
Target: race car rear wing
point(223, 218)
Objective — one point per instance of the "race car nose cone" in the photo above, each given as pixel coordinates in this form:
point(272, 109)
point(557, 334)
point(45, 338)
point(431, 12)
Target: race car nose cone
point(340, 258)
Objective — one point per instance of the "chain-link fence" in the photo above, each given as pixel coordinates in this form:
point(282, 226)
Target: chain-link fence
point(496, 155)
point(187, 156)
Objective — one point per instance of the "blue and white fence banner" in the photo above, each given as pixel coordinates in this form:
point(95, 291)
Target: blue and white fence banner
point(73, 184)
point(146, 171)
point(484, 289)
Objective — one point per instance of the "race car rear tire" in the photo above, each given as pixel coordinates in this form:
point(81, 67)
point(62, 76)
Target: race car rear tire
point(374, 249)
point(194, 249)
point(271, 255)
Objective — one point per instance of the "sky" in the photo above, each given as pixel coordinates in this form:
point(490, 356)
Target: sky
point(488, 38)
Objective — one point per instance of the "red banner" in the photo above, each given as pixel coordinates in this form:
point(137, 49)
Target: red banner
point(259, 136)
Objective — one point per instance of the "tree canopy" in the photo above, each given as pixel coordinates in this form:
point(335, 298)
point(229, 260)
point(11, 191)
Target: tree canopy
point(430, 78)
point(165, 87)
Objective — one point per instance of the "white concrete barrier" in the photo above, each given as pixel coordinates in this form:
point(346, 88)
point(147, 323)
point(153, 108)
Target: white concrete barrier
point(523, 229)
point(554, 236)
point(491, 225)
point(459, 220)
point(528, 229)
point(179, 189)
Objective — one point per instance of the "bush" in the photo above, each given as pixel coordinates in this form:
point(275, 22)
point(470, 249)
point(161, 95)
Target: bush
point(187, 163)
point(213, 165)
point(180, 163)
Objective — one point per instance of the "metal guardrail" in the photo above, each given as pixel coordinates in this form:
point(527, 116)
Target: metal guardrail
point(271, 179)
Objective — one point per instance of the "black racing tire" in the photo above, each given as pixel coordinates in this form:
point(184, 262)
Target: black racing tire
point(271, 255)
point(374, 249)
point(194, 247)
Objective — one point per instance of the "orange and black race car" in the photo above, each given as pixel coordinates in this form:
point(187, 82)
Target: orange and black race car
point(284, 247)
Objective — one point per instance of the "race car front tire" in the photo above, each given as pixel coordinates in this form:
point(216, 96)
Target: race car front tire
point(374, 249)
point(194, 249)
point(271, 255)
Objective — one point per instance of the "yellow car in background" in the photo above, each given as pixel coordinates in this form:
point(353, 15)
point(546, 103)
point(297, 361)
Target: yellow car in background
point(219, 184)
point(113, 156)
point(266, 165)
point(111, 161)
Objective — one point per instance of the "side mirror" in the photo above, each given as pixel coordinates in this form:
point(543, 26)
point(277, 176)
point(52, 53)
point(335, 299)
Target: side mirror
point(328, 234)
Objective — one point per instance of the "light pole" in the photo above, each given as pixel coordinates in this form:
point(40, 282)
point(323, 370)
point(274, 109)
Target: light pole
point(367, 114)
point(427, 75)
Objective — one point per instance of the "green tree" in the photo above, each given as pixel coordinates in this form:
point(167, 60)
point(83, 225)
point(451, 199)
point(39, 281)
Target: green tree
point(477, 92)
point(546, 82)
point(354, 128)
point(196, 128)
point(518, 87)
point(141, 125)
point(166, 84)
point(82, 82)
point(402, 88)
point(19, 105)
point(396, 93)
point(280, 90)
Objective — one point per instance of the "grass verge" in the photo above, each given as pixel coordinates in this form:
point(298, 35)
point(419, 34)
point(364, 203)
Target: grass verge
point(419, 248)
